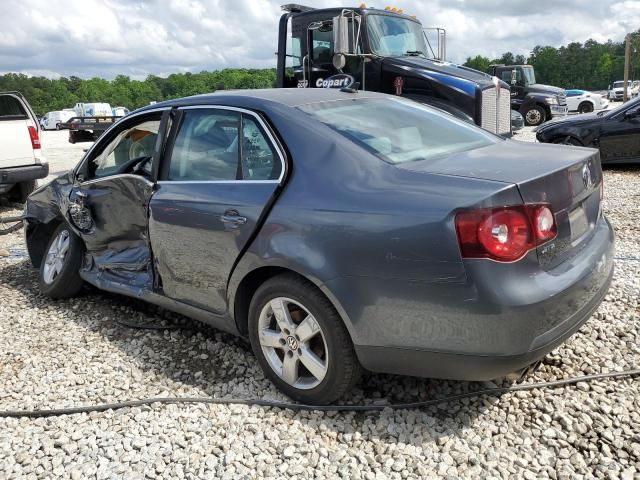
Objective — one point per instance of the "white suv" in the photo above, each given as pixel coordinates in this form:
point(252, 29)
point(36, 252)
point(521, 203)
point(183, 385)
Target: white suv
point(21, 161)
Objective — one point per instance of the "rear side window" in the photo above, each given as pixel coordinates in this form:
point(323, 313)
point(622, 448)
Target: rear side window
point(206, 147)
point(222, 145)
point(399, 131)
point(11, 108)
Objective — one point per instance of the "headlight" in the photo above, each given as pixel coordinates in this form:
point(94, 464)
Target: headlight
point(551, 100)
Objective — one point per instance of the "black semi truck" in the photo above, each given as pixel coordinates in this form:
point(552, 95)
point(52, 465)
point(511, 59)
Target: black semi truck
point(535, 102)
point(384, 51)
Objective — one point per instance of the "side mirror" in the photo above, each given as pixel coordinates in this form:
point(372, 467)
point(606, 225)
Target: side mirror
point(514, 77)
point(632, 113)
point(341, 35)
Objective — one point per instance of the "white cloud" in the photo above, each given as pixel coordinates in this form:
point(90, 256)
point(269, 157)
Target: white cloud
point(110, 37)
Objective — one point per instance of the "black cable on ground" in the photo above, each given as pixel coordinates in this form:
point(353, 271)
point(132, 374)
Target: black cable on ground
point(54, 412)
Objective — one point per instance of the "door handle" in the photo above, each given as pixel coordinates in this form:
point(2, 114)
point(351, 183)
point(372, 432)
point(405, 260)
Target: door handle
point(233, 217)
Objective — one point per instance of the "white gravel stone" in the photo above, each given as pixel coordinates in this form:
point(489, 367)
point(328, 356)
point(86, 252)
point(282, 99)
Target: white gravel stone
point(71, 352)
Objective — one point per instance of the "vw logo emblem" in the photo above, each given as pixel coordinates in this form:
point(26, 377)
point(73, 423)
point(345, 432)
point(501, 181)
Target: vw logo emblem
point(292, 343)
point(586, 176)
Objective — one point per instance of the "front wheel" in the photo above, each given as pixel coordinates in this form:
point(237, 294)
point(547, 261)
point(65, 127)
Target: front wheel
point(535, 116)
point(60, 267)
point(301, 342)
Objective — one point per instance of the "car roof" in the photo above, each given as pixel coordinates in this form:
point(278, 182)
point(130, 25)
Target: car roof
point(291, 97)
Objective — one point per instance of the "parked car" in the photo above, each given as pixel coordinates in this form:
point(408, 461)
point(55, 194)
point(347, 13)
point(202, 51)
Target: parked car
point(53, 120)
point(21, 161)
point(335, 230)
point(616, 90)
point(517, 121)
point(120, 111)
point(582, 101)
point(615, 132)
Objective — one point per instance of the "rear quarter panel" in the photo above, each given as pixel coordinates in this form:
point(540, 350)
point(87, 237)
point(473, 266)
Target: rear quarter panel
point(357, 226)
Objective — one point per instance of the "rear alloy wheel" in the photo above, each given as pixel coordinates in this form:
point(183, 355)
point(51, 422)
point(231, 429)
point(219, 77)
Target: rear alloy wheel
point(60, 267)
point(585, 107)
point(300, 341)
point(535, 116)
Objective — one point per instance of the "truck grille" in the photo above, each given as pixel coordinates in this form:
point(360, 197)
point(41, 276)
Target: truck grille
point(496, 110)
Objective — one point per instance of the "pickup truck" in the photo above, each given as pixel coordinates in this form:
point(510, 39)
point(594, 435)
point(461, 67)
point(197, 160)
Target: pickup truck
point(21, 161)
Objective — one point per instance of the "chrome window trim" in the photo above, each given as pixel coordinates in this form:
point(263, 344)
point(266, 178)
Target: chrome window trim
point(270, 138)
point(91, 149)
point(118, 175)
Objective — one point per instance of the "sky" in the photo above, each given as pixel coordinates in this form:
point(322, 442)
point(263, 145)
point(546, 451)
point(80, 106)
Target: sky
point(105, 38)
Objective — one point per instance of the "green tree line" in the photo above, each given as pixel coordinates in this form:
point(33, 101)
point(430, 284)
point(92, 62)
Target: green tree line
point(592, 66)
point(589, 66)
point(45, 94)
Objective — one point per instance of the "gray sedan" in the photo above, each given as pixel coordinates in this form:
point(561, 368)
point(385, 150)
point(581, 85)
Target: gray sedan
point(336, 231)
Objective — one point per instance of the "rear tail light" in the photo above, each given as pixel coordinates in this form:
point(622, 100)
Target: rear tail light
point(35, 139)
point(504, 234)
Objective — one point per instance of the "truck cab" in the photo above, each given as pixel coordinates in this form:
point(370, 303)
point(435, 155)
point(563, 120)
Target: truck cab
point(536, 102)
point(384, 51)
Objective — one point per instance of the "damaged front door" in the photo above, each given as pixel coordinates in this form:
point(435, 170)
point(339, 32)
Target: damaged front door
point(108, 205)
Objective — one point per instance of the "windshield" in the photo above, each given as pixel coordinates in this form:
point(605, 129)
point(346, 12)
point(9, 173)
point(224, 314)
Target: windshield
point(399, 131)
point(392, 36)
point(529, 75)
point(625, 106)
point(619, 84)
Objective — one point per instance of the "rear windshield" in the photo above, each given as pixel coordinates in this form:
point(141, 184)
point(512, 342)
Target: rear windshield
point(399, 131)
point(11, 108)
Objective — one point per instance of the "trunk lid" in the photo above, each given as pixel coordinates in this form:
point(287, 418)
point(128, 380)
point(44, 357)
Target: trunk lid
point(567, 178)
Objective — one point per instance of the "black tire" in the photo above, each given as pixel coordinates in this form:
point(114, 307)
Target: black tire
point(72, 137)
point(585, 107)
point(535, 116)
point(21, 191)
point(567, 141)
point(57, 126)
point(342, 369)
point(67, 283)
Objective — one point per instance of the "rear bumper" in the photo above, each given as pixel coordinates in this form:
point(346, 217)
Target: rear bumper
point(433, 364)
point(25, 173)
point(501, 319)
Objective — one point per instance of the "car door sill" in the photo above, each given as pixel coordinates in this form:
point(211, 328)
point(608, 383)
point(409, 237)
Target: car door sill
point(219, 321)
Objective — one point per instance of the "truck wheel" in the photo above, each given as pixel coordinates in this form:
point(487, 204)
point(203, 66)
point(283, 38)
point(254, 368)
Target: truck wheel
point(57, 126)
point(301, 342)
point(60, 267)
point(21, 191)
point(585, 107)
point(535, 116)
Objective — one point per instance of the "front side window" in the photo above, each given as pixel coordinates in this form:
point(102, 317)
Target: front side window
point(130, 147)
point(399, 131)
point(322, 46)
point(394, 36)
point(222, 145)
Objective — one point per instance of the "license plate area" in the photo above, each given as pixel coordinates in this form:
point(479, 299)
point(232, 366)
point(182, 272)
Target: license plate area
point(578, 222)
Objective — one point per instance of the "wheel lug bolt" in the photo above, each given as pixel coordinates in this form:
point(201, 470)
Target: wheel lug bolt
point(282, 341)
point(297, 338)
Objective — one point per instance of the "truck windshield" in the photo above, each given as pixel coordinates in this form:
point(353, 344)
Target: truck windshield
point(618, 84)
point(529, 75)
point(399, 131)
point(393, 36)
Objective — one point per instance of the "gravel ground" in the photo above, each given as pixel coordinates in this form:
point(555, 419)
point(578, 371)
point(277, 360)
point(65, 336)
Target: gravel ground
point(67, 353)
